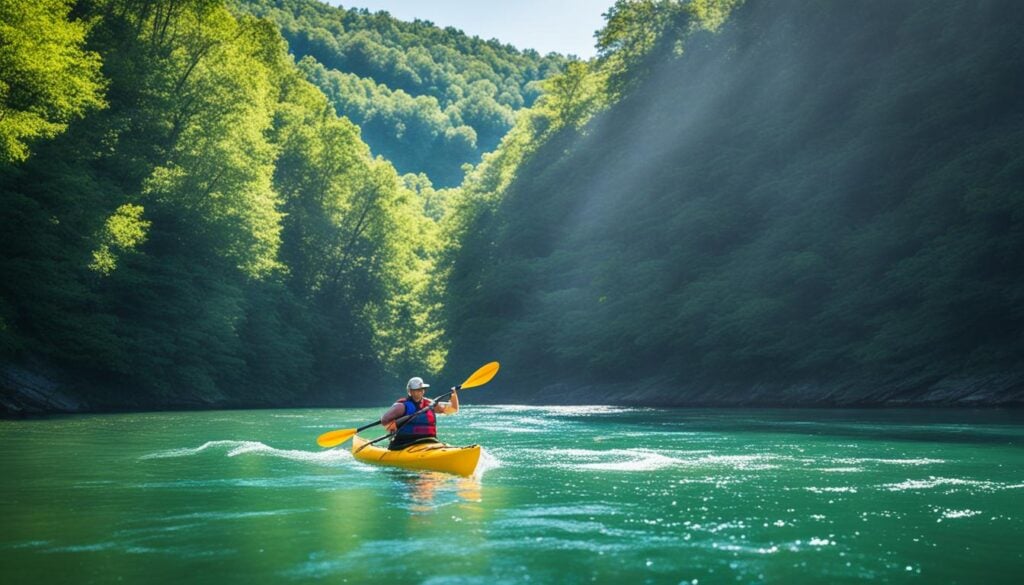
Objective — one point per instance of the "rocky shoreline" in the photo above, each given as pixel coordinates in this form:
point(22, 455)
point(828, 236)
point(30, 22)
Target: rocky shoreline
point(26, 392)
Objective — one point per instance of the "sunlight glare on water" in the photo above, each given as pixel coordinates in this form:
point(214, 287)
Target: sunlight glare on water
point(562, 494)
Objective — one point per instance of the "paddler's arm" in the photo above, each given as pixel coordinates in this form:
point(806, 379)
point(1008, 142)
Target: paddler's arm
point(449, 407)
point(388, 418)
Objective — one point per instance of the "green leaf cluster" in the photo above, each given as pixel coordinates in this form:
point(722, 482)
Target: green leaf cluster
point(48, 77)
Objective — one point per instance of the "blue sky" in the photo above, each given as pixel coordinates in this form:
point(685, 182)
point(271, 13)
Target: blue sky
point(564, 26)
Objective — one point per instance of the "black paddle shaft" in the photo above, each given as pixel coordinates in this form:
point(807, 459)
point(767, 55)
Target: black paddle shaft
point(364, 427)
point(405, 419)
point(409, 417)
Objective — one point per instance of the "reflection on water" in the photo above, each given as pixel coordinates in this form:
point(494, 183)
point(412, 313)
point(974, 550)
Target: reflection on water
point(426, 492)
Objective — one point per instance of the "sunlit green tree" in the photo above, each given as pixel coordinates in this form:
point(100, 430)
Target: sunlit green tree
point(48, 77)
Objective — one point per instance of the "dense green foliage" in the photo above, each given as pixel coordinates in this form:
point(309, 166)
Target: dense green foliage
point(428, 99)
point(48, 79)
point(216, 234)
point(734, 197)
point(413, 131)
point(826, 196)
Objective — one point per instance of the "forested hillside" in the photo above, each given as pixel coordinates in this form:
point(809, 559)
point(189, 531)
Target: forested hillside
point(428, 99)
point(186, 221)
point(816, 203)
point(736, 202)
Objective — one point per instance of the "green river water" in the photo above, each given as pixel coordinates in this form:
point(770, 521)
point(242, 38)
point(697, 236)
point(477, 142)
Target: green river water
point(563, 495)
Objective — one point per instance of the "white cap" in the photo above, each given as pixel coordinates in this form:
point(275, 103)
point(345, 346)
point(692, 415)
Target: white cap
point(416, 384)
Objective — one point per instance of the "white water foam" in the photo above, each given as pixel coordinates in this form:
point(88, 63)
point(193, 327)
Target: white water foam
point(608, 460)
point(934, 482)
point(331, 458)
point(960, 513)
point(488, 461)
point(837, 490)
point(863, 460)
point(815, 541)
point(745, 549)
point(757, 462)
point(640, 459)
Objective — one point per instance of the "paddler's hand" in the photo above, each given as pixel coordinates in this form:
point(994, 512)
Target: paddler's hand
point(453, 406)
point(391, 427)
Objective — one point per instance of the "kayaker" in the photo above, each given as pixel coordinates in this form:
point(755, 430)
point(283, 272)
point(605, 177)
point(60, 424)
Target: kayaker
point(422, 428)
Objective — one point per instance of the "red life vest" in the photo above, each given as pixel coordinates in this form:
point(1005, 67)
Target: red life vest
point(423, 425)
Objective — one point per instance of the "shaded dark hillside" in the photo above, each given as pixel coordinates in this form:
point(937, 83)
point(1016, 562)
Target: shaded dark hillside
point(823, 203)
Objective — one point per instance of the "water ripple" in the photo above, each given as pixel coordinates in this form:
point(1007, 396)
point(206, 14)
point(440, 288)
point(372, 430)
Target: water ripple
point(934, 482)
point(329, 457)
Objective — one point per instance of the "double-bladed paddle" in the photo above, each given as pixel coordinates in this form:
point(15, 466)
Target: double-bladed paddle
point(403, 420)
point(478, 378)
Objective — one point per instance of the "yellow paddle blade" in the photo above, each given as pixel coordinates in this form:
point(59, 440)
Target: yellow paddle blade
point(481, 376)
point(335, 438)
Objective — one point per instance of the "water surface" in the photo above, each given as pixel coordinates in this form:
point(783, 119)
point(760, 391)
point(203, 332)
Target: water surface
point(564, 494)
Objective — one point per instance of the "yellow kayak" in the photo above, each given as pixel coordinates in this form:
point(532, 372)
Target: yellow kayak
point(429, 456)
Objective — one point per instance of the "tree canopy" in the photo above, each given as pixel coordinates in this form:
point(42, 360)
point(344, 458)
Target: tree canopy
point(217, 233)
point(428, 99)
point(227, 202)
point(48, 77)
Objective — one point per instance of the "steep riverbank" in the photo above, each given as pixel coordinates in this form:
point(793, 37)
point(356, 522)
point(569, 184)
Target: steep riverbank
point(40, 390)
point(813, 206)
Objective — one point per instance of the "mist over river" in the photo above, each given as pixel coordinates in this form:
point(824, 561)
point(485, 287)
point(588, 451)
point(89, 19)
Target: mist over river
point(563, 494)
